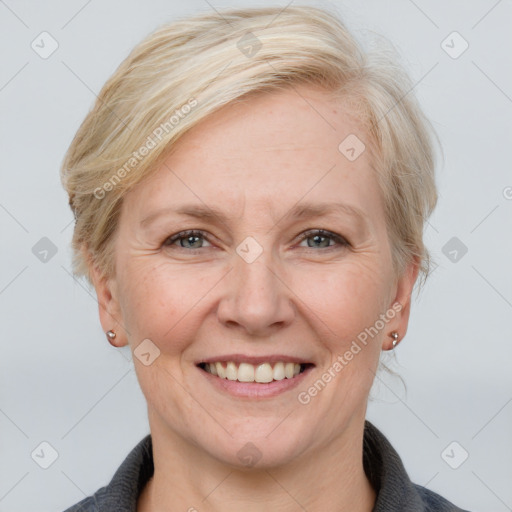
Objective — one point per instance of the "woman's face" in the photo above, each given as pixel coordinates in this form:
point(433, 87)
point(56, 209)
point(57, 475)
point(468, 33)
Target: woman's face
point(256, 284)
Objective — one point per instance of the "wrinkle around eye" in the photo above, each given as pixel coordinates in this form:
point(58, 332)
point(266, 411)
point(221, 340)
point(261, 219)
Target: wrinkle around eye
point(337, 242)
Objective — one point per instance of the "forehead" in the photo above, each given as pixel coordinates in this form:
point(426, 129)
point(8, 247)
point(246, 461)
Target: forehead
point(295, 119)
point(268, 151)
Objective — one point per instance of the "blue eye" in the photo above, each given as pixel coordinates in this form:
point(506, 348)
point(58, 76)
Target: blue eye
point(184, 238)
point(318, 234)
point(194, 239)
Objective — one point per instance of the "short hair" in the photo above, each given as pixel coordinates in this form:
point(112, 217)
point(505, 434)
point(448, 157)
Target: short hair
point(188, 69)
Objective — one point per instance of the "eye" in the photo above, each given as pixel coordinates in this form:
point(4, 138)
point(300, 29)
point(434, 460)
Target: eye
point(191, 239)
point(194, 239)
point(320, 236)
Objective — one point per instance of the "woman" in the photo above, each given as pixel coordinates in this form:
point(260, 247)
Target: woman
point(250, 192)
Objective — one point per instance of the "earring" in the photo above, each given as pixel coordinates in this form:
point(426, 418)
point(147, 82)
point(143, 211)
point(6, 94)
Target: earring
point(394, 335)
point(111, 336)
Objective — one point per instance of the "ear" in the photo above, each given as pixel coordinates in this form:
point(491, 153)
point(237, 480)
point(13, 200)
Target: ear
point(402, 302)
point(108, 304)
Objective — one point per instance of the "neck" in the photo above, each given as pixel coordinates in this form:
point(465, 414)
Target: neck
point(331, 478)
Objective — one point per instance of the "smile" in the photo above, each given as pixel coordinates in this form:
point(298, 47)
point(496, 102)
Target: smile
point(262, 373)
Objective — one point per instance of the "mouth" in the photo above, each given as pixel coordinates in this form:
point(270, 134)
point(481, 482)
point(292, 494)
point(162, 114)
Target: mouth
point(260, 373)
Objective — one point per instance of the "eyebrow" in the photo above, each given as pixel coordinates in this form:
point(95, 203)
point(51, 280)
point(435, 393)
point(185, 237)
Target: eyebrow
point(299, 211)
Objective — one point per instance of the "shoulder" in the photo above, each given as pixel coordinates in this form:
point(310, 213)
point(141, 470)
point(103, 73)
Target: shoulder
point(122, 493)
point(434, 502)
point(387, 474)
point(89, 504)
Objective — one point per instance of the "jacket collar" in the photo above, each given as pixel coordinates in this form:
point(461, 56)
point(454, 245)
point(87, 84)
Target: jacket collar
point(382, 464)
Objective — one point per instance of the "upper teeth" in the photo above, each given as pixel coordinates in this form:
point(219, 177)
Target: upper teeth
point(245, 372)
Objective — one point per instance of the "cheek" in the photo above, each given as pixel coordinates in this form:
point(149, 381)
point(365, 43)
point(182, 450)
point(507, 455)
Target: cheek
point(158, 302)
point(345, 298)
point(146, 299)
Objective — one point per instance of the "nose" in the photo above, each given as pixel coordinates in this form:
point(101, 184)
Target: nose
point(256, 298)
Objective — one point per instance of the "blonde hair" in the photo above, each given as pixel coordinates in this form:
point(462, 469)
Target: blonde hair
point(186, 70)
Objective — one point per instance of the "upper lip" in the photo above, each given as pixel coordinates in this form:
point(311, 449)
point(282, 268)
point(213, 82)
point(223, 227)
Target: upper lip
point(241, 358)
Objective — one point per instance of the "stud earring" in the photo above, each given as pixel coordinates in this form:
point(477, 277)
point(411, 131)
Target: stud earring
point(111, 336)
point(394, 335)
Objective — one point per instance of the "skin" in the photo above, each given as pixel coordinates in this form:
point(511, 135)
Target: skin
point(195, 299)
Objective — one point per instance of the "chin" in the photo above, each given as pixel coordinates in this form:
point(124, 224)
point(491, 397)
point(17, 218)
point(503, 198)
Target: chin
point(259, 444)
point(252, 456)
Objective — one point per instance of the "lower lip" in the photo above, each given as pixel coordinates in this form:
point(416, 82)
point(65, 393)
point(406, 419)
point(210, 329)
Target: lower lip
point(256, 389)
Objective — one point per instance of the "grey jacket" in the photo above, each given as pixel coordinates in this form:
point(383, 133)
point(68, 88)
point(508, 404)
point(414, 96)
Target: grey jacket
point(382, 464)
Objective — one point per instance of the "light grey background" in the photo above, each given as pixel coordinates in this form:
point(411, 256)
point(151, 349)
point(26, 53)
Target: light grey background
point(61, 382)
